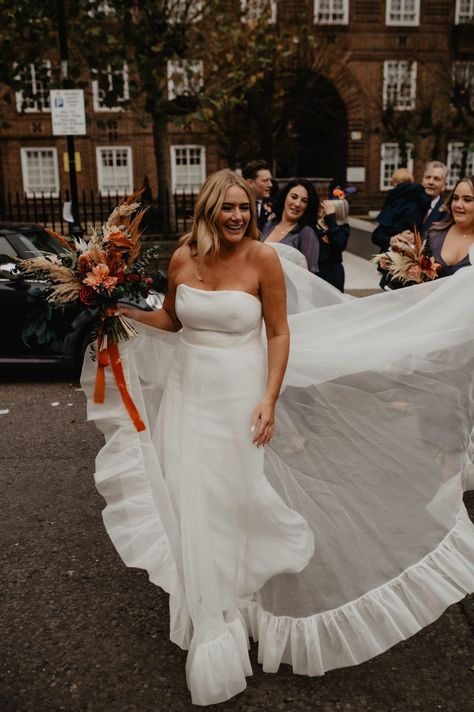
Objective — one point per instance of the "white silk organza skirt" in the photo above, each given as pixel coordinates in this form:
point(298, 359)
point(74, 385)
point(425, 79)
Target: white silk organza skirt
point(371, 456)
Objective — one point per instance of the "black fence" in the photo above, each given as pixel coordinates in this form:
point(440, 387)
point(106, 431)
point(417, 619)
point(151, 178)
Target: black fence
point(94, 209)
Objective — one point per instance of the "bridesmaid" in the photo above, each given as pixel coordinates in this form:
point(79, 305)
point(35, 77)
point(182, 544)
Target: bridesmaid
point(451, 239)
point(296, 212)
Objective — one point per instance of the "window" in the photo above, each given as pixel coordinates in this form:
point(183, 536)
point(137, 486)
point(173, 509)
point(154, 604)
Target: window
point(36, 79)
point(39, 169)
point(185, 78)
point(188, 168)
point(463, 81)
point(255, 9)
point(184, 10)
point(390, 160)
point(402, 12)
point(101, 7)
point(454, 162)
point(114, 169)
point(399, 85)
point(110, 85)
point(464, 11)
point(331, 12)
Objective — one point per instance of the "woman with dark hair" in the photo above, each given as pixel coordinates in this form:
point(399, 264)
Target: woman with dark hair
point(296, 212)
point(452, 238)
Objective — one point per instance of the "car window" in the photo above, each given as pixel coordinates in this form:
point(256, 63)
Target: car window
point(6, 249)
point(34, 242)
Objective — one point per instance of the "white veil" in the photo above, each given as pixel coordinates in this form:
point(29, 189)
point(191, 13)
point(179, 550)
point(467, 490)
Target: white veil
point(373, 447)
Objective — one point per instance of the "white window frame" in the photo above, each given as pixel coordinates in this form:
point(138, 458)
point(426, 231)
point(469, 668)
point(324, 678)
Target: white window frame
point(253, 10)
point(185, 11)
point(100, 169)
point(330, 21)
point(20, 98)
point(174, 176)
point(463, 15)
point(384, 176)
point(110, 71)
point(25, 170)
point(454, 169)
point(465, 68)
point(185, 77)
point(105, 7)
point(402, 22)
point(404, 70)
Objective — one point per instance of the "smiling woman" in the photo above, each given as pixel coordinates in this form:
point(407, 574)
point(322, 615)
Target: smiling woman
point(451, 240)
point(295, 218)
point(346, 533)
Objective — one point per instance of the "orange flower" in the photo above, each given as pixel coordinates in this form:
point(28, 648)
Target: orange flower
point(339, 193)
point(116, 238)
point(85, 262)
point(100, 278)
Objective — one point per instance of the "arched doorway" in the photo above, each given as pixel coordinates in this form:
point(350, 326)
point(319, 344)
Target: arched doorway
point(313, 137)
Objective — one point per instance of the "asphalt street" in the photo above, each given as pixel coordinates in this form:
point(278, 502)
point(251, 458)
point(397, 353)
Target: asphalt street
point(82, 633)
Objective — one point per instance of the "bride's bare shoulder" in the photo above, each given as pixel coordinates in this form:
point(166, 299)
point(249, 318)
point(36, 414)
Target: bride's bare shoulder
point(181, 256)
point(263, 254)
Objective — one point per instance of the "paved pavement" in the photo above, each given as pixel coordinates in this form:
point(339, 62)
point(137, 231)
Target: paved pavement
point(82, 633)
point(361, 276)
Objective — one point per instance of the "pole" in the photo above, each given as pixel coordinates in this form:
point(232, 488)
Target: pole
point(76, 230)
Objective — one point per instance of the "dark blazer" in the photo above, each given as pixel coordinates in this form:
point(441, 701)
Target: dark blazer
point(404, 206)
point(436, 214)
point(265, 213)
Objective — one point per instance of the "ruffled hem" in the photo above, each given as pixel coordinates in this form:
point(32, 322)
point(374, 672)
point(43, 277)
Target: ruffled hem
point(370, 625)
point(216, 669)
point(131, 517)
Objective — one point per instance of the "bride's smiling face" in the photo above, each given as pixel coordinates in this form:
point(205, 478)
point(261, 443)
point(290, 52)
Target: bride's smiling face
point(234, 216)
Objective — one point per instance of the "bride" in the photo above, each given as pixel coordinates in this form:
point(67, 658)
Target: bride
point(327, 537)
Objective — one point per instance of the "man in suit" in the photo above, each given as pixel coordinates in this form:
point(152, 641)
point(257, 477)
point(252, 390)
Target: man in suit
point(259, 177)
point(434, 182)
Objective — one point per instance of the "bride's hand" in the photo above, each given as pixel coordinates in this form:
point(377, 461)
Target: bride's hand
point(129, 312)
point(263, 422)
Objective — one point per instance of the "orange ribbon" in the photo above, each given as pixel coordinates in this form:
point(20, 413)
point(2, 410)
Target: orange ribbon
point(110, 356)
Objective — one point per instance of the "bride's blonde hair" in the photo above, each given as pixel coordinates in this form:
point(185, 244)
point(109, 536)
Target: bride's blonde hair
point(205, 237)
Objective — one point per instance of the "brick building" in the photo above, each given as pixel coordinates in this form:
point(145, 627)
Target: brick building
point(383, 77)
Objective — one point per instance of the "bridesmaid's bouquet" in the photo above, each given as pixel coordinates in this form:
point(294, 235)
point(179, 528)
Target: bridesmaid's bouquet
point(95, 274)
point(411, 264)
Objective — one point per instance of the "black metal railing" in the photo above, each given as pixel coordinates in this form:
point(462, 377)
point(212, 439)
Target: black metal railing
point(94, 209)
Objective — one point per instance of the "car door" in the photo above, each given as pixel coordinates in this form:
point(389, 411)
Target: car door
point(13, 303)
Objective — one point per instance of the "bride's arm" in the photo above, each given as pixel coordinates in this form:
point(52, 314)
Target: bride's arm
point(164, 318)
point(273, 296)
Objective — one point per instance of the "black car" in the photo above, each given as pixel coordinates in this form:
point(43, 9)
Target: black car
point(18, 305)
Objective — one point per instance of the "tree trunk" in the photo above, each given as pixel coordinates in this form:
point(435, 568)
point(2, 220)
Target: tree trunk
point(167, 214)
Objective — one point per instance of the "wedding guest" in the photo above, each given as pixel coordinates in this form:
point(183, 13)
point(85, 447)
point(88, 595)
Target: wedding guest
point(333, 233)
point(405, 206)
point(295, 218)
point(434, 183)
point(451, 239)
point(259, 177)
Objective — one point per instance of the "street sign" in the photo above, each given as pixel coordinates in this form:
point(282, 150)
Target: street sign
point(68, 113)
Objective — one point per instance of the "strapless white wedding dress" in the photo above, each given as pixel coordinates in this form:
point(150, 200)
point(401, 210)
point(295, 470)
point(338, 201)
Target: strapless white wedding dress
point(348, 533)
